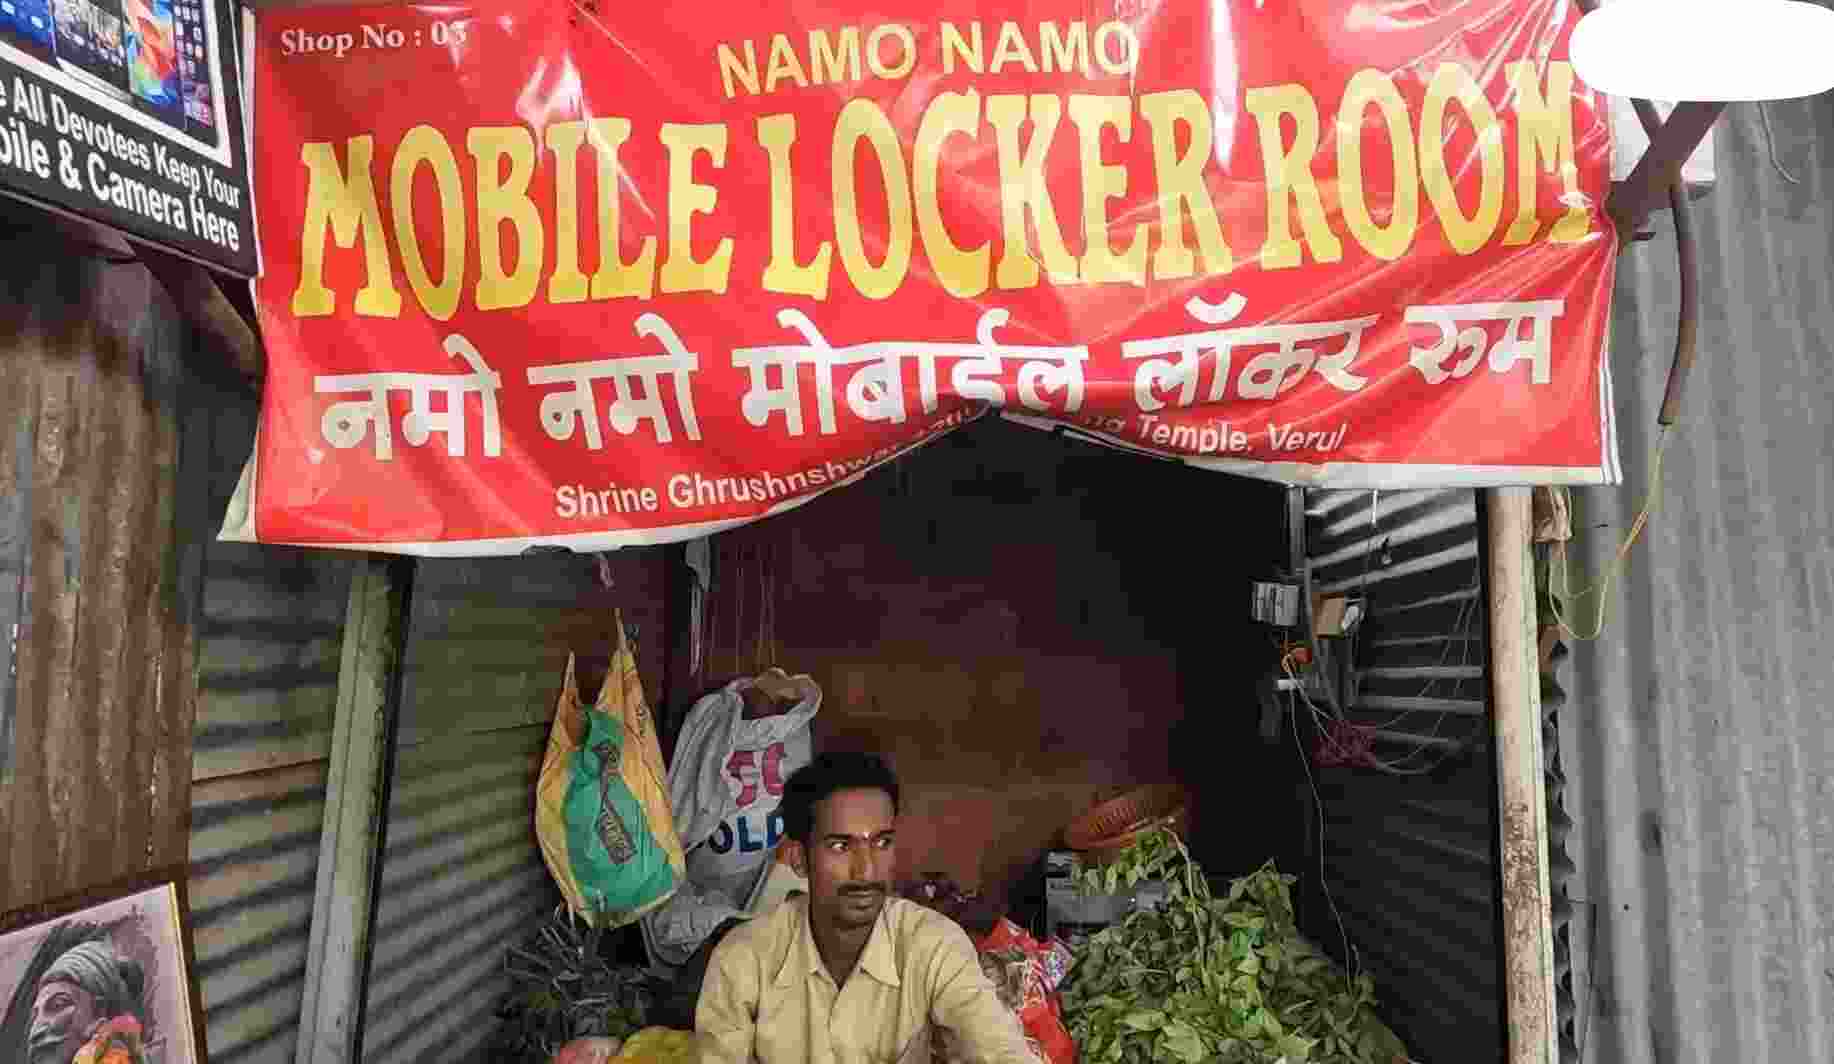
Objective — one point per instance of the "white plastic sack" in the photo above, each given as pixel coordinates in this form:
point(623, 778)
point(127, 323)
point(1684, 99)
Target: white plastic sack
point(725, 786)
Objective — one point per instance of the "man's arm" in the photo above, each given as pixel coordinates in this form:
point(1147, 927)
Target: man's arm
point(726, 1016)
point(963, 1000)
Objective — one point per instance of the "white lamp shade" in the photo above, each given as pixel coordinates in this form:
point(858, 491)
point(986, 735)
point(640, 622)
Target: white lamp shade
point(1706, 50)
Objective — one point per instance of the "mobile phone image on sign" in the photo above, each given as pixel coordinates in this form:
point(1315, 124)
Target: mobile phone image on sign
point(27, 26)
point(153, 57)
point(195, 73)
point(91, 43)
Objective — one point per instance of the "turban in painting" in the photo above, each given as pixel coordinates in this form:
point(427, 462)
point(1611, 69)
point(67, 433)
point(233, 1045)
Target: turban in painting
point(94, 967)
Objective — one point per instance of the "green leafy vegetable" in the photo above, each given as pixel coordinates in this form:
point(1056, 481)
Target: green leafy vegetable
point(1208, 980)
point(563, 987)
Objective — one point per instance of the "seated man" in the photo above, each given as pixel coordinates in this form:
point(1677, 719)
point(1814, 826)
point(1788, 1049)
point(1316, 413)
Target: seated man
point(848, 974)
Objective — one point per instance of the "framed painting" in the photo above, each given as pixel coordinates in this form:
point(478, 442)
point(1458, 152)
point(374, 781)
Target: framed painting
point(102, 978)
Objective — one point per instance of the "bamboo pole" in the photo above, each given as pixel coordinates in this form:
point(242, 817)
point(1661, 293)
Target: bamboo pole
point(1528, 932)
point(356, 813)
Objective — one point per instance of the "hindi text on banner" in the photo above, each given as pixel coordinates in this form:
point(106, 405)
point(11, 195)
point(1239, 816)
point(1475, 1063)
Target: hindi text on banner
point(346, 424)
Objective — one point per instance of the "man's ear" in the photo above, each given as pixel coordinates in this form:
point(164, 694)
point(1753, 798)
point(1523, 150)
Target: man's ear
point(793, 854)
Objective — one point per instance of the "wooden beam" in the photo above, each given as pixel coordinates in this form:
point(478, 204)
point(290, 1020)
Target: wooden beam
point(356, 812)
point(1659, 169)
point(1528, 931)
point(196, 293)
point(223, 314)
point(101, 534)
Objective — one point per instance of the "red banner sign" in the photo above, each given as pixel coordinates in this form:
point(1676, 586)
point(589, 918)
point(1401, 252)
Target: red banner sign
point(538, 273)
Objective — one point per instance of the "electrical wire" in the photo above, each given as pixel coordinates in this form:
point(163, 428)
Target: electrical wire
point(1463, 627)
point(1770, 139)
point(766, 650)
point(1375, 529)
point(1398, 766)
point(738, 610)
point(1352, 960)
point(1466, 617)
point(1560, 587)
point(758, 662)
point(1306, 618)
point(1403, 764)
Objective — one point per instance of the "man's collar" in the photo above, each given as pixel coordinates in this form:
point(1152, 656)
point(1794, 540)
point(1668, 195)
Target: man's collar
point(879, 959)
point(802, 957)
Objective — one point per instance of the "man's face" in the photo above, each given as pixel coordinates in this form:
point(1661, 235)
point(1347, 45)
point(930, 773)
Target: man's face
point(849, 858)
point(62, 1017)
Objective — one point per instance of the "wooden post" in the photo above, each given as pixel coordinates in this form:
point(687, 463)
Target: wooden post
point(356, 812)
point(1528, 932)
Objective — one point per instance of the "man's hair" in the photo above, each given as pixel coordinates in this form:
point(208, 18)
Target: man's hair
point(823, 776)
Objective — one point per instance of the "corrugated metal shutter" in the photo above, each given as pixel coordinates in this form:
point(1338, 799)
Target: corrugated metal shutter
point(1700, 735)
point(254, 853)
point(1409, 859)
point(268, 650)
point(462, 879)
point(1421, 654)
point(1563, 871)
point(462, 876)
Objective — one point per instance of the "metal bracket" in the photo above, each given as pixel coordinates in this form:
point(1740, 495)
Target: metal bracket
point(1670, 145)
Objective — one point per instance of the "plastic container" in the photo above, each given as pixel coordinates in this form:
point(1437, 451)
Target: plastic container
point(1104, 831)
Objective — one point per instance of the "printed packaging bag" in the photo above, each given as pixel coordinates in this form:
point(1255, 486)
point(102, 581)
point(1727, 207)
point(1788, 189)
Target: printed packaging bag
point(1026, 974)
point(602, 801)
point(764, 753)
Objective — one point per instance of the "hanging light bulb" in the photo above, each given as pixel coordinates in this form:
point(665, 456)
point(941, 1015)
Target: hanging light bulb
point(1706, 50)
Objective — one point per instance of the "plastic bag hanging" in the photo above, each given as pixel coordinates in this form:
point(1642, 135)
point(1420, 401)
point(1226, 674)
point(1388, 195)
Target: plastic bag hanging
point(601, 802)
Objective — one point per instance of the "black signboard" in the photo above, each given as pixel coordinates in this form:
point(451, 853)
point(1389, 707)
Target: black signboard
point(128, 112)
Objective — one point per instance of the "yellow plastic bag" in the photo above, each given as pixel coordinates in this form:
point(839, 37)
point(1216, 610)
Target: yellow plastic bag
point(602, 800)
point(658, 1045)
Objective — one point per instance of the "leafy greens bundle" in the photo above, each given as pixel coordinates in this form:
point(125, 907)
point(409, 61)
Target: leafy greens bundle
point(563, 987)
point(1207, 980)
